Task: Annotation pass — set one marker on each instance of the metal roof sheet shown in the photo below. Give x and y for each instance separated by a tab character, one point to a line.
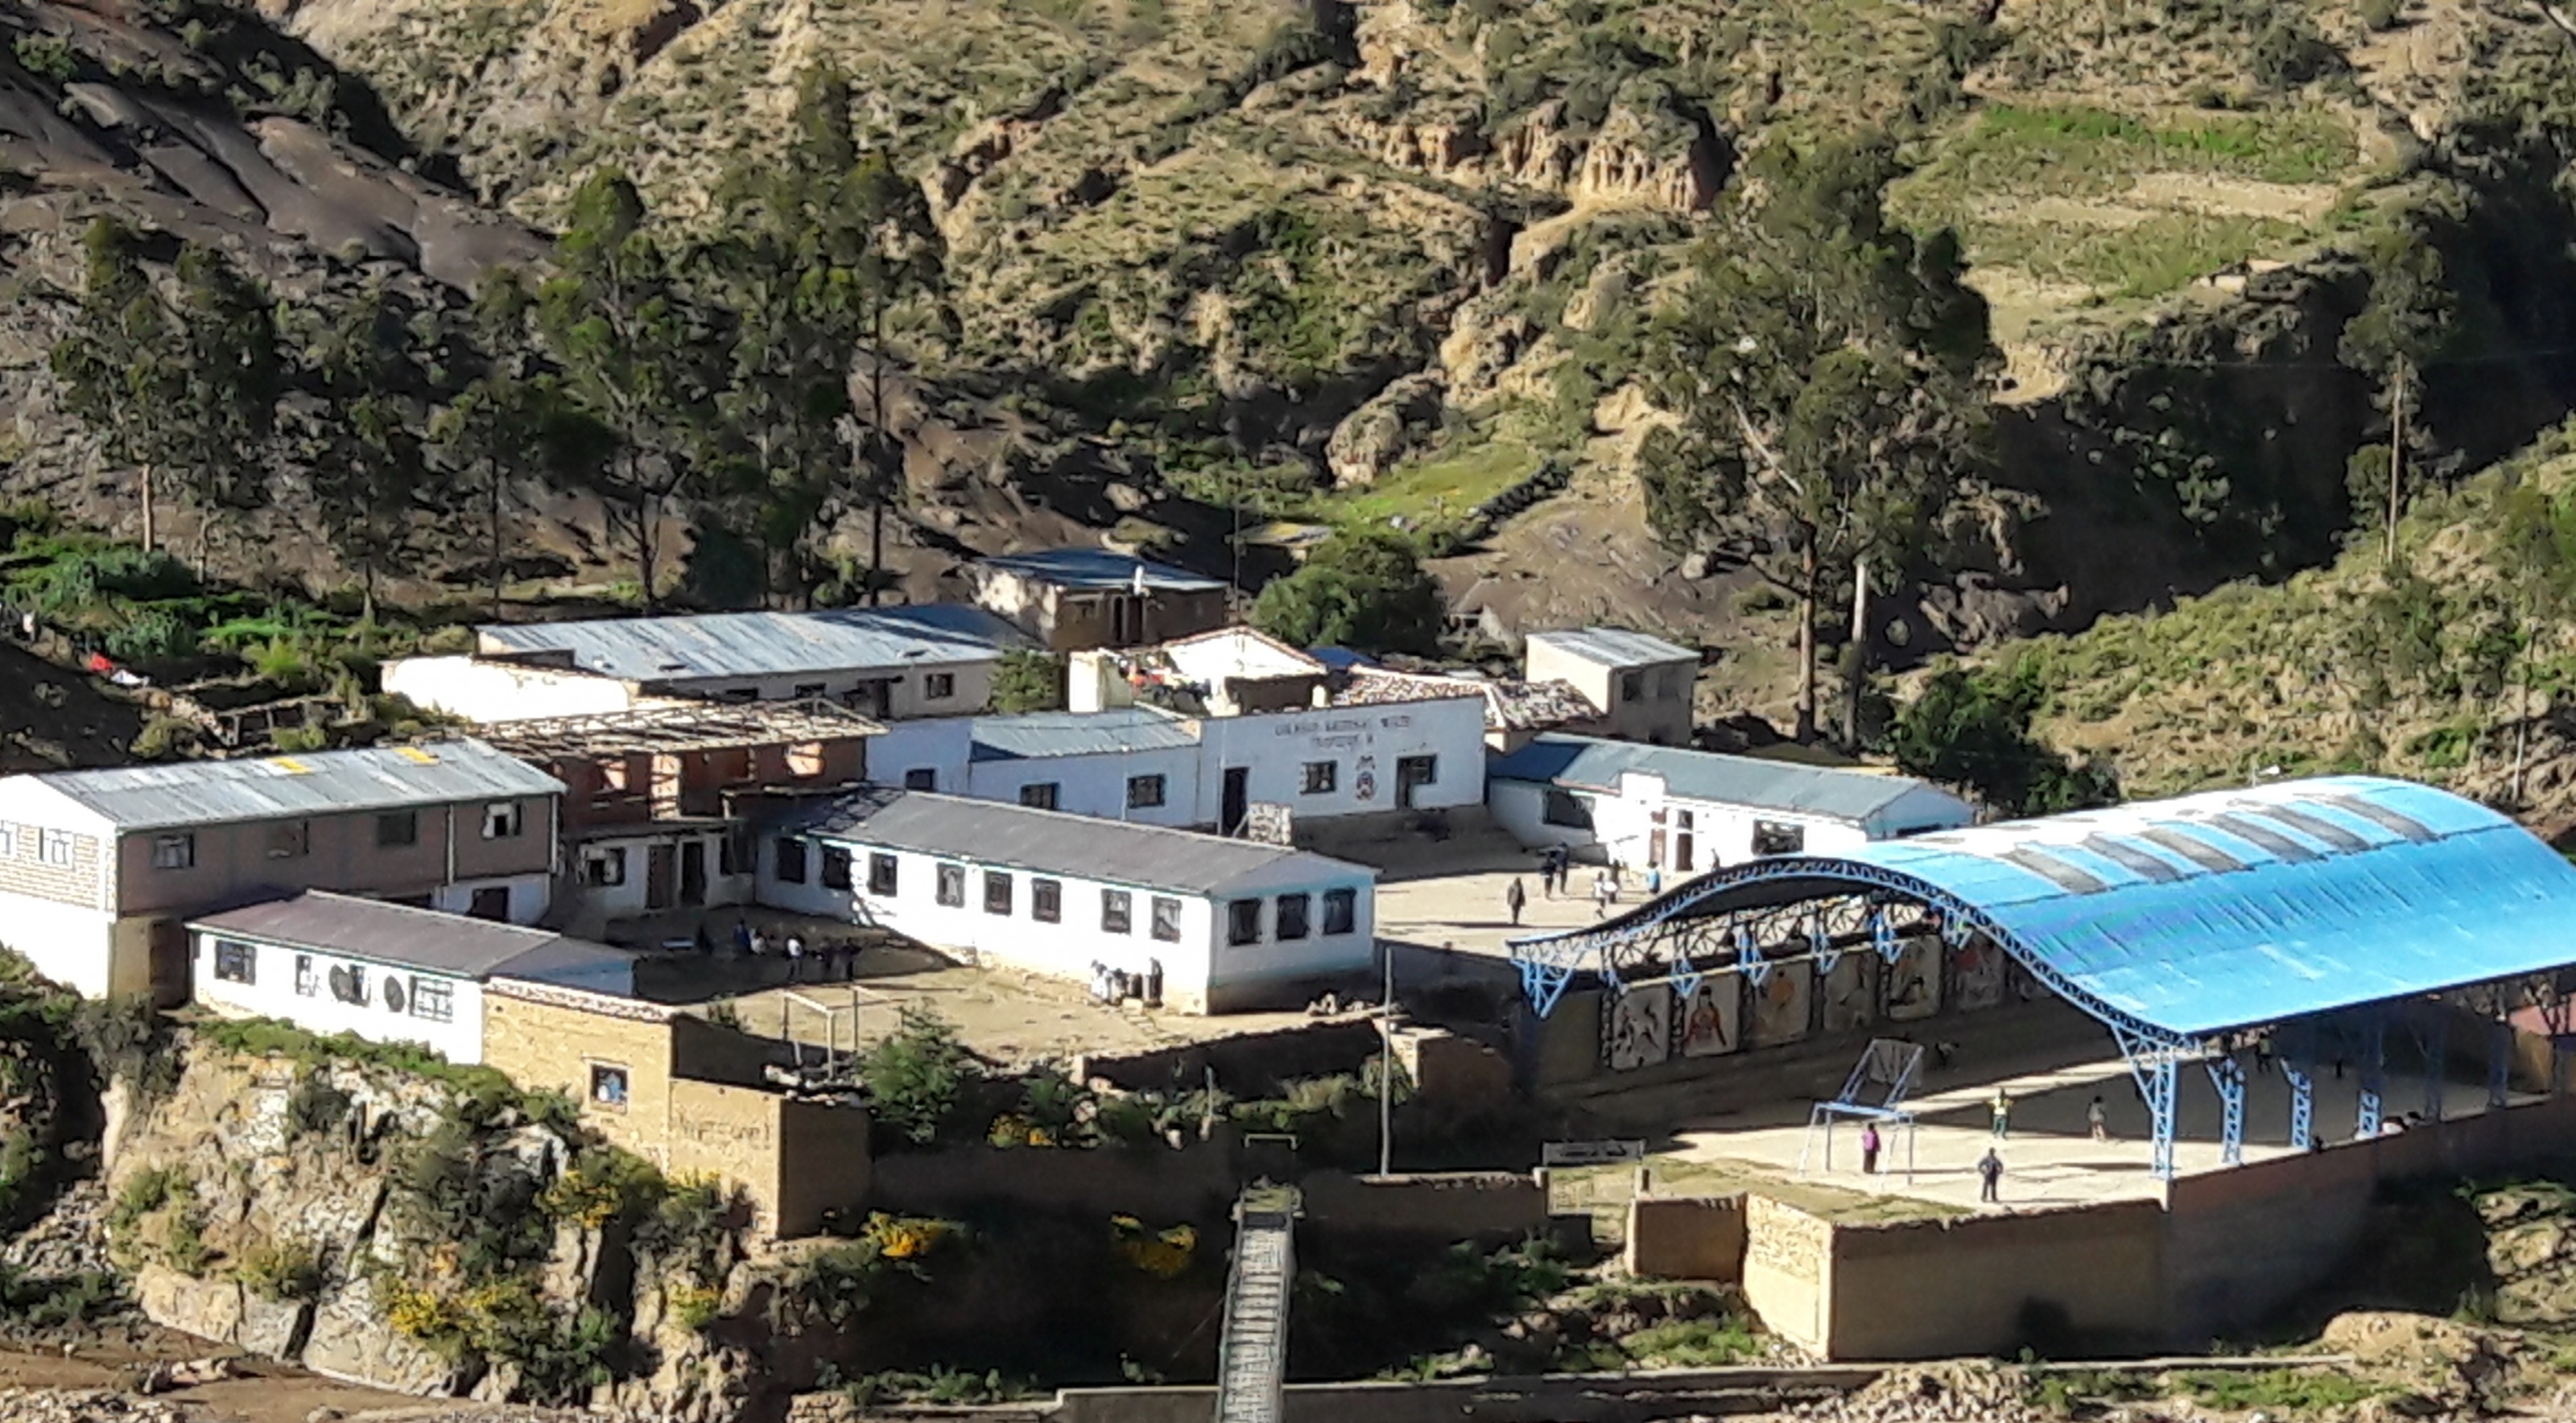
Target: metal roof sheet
1098	569
1613	647
1041	734
763	644
311	783
408	937
1591	763
1051	842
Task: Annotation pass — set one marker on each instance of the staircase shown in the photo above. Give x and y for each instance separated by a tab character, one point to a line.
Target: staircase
1252	1355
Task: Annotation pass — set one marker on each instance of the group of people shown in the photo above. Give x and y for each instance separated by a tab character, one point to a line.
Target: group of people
833	960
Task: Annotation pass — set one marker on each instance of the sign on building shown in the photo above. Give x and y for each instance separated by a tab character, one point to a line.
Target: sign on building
1591	1153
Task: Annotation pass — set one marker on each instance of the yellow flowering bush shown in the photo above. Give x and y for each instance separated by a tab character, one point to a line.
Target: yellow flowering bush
1163	1254
906	1237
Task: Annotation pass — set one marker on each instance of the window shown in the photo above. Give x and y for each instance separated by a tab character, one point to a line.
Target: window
1568	809
291	840
1039	796
612	775
1046	901
881	874
174	852
939	686
1167	919
836	867
307	982
1243	922
492	901
1341	911
1117	912
1320	777
997	892
503	820
739	694
604	867
790	860
1770	837
952	886
608	1085
401	827
921	778
58	847
1632	686
1144	792
805	691
1418	770
433	999
805	760
235	961
1294	915
349	984
733	852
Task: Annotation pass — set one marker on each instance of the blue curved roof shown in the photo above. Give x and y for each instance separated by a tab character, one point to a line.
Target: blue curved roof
2233	908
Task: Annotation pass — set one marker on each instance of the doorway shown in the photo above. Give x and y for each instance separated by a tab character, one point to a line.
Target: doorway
693	872
1411	774
657	877
166	949
1236	804
491	902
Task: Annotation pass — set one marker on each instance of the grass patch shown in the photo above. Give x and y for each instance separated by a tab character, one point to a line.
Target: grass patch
2161	254
1693	1344
1438	492
2075	150
2277	1390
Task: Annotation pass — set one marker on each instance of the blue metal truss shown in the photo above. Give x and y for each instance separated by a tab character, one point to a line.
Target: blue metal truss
2374	1082
2153	1064
2303	1101
2227	1074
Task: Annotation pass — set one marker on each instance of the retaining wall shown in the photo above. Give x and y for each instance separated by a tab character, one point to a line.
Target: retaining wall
1488	1207
1686	1238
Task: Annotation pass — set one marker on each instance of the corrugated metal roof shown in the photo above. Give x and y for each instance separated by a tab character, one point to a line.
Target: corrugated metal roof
1590	763
1041	734
312	783
1613	647
1097	569
1050	842
2343	891
406	937
763	644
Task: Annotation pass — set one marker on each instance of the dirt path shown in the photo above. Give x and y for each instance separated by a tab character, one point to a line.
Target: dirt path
38	1385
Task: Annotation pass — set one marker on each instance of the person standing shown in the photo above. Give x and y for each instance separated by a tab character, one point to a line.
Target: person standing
2095	1119
1515	899
2001	1108
1603	893
795	957
1869	1149
1990	1175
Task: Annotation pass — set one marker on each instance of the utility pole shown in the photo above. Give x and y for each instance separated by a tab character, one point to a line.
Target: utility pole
1386	1064
2396	458
1859	655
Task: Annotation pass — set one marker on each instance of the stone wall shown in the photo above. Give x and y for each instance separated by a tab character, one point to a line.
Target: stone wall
1686	1238
1251	1065
1196	1183
1983	1284
1788	1272
800	1162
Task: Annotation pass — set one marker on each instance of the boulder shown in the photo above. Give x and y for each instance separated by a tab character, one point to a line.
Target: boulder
1380	433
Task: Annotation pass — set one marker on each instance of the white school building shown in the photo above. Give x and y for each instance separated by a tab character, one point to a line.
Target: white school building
334	963
1219	923
1686	812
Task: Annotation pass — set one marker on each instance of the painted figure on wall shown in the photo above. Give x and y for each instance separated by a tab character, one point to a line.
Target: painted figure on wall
1976	974
1780	1004
1914	981
1638	1030
1851	993
1711	1017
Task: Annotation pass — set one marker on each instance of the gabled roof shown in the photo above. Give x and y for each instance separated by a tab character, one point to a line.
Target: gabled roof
693	648
1613	647
1037	735
313	783
1591	763
1098	569
1243	652
406	937
1054	843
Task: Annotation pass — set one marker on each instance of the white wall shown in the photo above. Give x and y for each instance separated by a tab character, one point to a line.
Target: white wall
501	691
940	744
1097	785
67	943
1922	809
1364	742
529	896
1623	826
271	994
1196	965
973	686
595	904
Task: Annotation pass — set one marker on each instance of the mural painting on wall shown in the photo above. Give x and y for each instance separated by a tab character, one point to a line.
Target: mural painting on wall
1712	1017
2026	987
1636	1027
1780	1004
1976	974
1851	993
1914	981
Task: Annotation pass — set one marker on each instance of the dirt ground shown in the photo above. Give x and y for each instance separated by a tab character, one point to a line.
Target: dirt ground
269	1393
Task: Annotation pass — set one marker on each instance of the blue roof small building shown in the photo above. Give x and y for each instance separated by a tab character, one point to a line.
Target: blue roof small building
1684	813
1073	599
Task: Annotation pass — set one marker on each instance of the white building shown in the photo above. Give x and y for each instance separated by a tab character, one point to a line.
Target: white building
1073	598
930	660
1218	923
99	869
1131	763
330	963
1642	685
1686	812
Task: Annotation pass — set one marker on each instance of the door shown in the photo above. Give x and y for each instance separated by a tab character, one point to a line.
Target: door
657	877
1237	802
1684	857
693	872
1412	773
167	949
1126	620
